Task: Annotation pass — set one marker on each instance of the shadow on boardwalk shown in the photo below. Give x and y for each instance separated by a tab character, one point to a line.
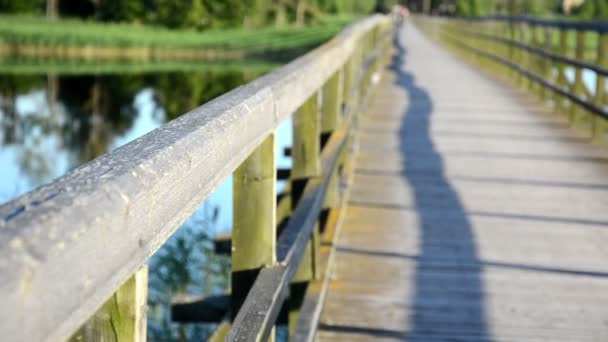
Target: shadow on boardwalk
448	300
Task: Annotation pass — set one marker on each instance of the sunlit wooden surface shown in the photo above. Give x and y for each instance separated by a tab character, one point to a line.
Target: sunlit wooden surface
475	215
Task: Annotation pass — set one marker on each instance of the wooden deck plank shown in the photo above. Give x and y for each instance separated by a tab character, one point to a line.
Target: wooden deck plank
475	215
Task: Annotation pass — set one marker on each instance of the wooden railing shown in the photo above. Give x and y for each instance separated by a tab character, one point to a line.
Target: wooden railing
550	58
71	252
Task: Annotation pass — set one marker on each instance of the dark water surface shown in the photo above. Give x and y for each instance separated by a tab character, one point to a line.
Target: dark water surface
52	122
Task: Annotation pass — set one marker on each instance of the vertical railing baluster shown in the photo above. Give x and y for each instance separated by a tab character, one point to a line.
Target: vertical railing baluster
348	83
535	60
330	119
522	60
511	50
254	220
578	87
546	63
562	81
305	165
599	123
122	317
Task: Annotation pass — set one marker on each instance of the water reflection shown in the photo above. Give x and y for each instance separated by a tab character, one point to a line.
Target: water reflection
50	124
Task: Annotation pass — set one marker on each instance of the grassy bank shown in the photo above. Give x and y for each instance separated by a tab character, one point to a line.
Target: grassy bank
27	35
34	66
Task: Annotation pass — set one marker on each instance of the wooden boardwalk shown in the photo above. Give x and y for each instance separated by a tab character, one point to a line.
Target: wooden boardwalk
474	215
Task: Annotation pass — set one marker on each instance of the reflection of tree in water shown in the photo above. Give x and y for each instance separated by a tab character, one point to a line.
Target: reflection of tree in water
99	109
31	129
186	264
80	113
181	92
93	111
10	87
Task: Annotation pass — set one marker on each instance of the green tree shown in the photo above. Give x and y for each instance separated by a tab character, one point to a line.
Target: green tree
475	7
122	10
385	5
22	6
601	10
180	14
592	10
259	14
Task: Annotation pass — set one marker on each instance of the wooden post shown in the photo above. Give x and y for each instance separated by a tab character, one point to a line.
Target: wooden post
578	89
599	99
562	81
505	49
522	60
332	103
535	60
306	142
122	318
330	118
306	164
546	64
348	84
512	54
254	231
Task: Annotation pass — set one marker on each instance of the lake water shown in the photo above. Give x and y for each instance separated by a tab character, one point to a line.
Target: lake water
51	123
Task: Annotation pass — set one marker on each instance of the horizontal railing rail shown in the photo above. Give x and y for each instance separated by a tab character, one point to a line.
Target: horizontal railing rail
67	247
269	293
564	62
554	57
595	26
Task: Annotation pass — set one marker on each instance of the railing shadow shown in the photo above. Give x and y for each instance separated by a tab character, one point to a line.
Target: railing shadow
448	301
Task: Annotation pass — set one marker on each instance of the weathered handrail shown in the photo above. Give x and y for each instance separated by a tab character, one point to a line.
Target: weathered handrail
525	48
596	26
267	294
67	246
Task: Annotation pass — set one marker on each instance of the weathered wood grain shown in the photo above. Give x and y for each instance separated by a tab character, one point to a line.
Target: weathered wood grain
66	247
473	215
598	126
122	317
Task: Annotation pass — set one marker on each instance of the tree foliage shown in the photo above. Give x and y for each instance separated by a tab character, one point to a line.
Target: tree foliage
200	14
22	6
592	10
511	7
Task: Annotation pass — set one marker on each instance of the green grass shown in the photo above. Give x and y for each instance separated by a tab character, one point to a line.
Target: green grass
77	67
30	30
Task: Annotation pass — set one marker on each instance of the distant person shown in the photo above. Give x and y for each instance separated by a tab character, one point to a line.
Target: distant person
400	13
404	12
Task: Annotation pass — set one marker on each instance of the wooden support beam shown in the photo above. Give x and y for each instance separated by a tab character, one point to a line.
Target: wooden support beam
330	117
306	163
599	123
332	103
306	141
578	88
546	64
122	318
535	60
521	54
562	81
283	174
222	244
254	232
221	332
512	36
347	78
200	309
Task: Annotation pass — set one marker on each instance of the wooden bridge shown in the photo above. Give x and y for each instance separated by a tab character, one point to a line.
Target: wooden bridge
445	187
475	214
